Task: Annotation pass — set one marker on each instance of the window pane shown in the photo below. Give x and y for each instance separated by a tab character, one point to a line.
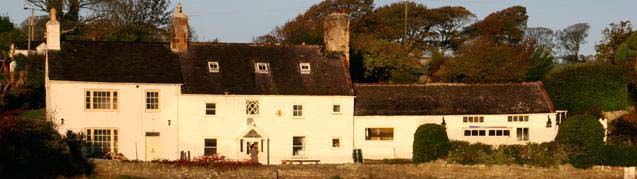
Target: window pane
467	133
380	133
482	133
506	133
474	133
336	108
491	132
336	143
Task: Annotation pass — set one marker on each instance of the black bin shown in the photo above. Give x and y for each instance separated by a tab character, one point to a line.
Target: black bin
357	155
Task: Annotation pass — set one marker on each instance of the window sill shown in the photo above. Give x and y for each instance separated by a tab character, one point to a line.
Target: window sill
299	157
297	117
337	113
152	110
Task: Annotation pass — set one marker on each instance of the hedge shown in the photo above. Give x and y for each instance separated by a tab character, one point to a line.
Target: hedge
583	136
543	155
430	143
588	87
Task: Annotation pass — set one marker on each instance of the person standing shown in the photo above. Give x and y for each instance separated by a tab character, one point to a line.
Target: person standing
254	153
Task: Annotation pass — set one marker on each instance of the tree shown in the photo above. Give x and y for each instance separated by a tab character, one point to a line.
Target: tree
308	27
622	131
540	64
569	41
447	26
430	143
613	36
130	20
583	136
588	88
543	37
483	60
388	61
505	26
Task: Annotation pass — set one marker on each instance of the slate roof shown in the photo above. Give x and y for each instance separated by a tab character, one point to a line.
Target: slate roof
115	62
451	99
237	70
155	63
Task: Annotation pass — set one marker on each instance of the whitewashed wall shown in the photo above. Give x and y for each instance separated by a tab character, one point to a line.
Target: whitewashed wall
405	127
65	100
318	124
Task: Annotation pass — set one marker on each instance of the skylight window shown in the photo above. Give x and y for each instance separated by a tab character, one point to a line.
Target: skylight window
213	67
261	67
305	68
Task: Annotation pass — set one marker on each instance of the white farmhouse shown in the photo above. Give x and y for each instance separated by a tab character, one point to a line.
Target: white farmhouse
175	100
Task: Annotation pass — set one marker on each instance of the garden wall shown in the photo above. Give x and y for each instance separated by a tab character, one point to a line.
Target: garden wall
114	169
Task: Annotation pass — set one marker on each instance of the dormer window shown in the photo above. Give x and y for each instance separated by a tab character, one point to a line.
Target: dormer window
261	67
305	68
213	67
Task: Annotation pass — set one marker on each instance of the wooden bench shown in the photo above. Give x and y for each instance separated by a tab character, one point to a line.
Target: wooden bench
299	161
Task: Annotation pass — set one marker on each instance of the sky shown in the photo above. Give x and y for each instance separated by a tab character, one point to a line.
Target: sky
242	20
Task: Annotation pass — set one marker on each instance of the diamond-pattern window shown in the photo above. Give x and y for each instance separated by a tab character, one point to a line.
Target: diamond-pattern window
252	107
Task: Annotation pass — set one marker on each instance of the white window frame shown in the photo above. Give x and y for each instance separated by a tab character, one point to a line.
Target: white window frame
90	100
303	70
257	67
297	112
252	107
211	147
213	67
518	118
302	152
213	109
368	137
113	138
147	98
520	134
473	119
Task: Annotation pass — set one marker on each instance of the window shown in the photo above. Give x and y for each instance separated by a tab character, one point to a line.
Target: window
499	132
298	146
475	132
100	100
261	67
297	110
252	108
336	108
102	140
305	68
523	134
379	133
336	142
210	146
211	109
152	100
518	118
213	67
472	119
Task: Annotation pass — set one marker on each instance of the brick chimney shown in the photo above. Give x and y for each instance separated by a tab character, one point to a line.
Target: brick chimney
336	33
179	40
53	32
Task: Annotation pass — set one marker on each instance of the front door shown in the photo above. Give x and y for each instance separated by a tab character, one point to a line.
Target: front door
152	146
260	146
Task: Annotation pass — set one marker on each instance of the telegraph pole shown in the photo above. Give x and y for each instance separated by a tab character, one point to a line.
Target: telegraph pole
406	9
31	29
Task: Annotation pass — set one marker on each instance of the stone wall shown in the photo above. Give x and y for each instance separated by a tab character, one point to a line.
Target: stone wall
114	169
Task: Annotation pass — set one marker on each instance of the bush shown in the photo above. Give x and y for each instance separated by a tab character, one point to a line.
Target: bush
583	137
32	148
216	162
469	154
543	155
589	87
430	143
619	155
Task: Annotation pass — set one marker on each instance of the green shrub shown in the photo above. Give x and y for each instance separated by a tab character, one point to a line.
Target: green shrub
33	148
464	153
588	87
619	155
545	154
583	137
430	143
